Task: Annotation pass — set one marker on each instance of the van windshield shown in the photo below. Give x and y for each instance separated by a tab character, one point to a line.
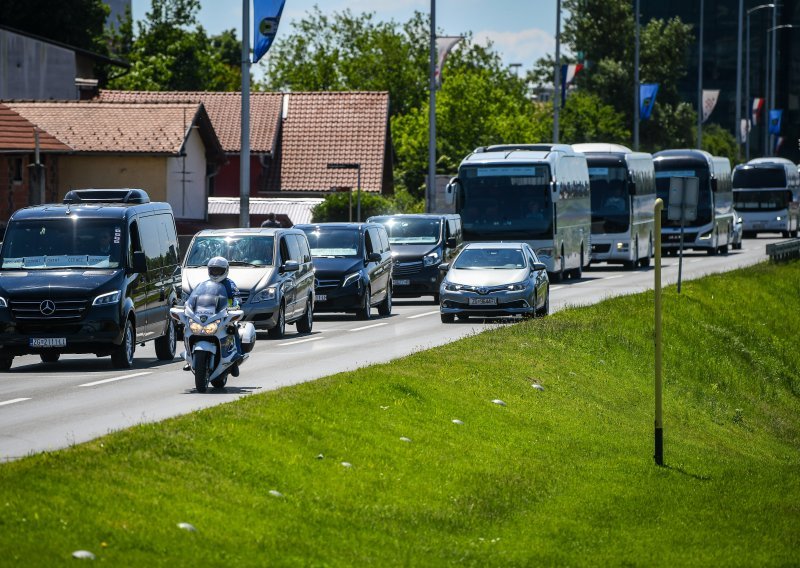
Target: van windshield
247	250
412	231
327	242
33	244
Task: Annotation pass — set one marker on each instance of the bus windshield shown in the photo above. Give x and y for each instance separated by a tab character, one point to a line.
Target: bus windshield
63	243
705	207
506	202
611	211
756	178
764	200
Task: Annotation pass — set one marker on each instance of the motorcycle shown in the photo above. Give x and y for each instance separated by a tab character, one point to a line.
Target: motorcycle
209	335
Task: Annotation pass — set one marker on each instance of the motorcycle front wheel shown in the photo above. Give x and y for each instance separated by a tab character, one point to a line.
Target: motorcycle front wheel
202	370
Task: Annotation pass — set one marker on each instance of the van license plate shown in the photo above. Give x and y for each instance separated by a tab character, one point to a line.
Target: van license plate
321	297
47	342
483	301
403	282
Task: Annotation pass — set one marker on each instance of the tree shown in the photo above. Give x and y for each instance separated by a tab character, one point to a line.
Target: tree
172	52
336	207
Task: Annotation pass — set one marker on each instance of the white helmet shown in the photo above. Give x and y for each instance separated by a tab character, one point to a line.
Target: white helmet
217	269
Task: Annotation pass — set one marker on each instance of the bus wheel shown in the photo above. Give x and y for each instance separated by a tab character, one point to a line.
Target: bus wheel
645	262
559	276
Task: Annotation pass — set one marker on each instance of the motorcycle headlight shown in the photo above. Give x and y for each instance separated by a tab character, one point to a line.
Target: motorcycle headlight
432	259
195	327
350	278
265	295
516	287
106	299
211	328
450	287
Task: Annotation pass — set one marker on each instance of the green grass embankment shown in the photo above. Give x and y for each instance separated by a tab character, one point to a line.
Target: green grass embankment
562	476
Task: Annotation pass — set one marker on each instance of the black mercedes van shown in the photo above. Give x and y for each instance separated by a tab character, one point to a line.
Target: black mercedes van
94	274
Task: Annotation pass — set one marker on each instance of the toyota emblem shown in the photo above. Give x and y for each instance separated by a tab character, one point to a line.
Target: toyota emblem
48	307
483	290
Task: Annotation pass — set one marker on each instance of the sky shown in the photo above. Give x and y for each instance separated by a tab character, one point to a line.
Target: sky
522	30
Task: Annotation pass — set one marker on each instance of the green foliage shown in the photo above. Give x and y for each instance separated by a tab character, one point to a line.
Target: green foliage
719	142
585	118
172	52
337	207
559	477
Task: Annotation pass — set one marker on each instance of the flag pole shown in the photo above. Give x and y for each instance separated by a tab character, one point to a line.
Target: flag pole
700	81
636	81
557	77
431	186
244	158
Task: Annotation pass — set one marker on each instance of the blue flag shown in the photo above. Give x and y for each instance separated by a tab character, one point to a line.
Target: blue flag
775	121
266	17
647	99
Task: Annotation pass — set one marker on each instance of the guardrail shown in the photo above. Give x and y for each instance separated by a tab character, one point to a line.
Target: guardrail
784	250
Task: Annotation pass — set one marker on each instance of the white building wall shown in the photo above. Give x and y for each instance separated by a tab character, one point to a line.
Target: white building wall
32	69
186	180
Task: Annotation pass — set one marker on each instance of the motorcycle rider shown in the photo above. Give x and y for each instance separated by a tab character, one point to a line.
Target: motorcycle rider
219	284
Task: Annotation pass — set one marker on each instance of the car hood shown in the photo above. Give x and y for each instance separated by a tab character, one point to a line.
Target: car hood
328	268
55	283
486	277
403	253
245	277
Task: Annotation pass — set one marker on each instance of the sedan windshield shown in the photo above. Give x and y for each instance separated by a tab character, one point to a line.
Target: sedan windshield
325	242
246	250
63	243
492	258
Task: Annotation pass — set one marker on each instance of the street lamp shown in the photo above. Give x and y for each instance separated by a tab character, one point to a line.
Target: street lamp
351	166
700	80
747	76
768	150
515	67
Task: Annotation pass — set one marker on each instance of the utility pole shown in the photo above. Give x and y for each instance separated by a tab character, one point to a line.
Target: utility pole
700	81
636	81
557	78
244	156
431	187
738	126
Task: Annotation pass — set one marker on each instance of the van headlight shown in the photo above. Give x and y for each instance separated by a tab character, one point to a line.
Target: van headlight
208	329
350	278
3	303
431	259
265	295
106	299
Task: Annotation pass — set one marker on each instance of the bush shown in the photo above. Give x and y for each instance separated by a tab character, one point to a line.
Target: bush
336	207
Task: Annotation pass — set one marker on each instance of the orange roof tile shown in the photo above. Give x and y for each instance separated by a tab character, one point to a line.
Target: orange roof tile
224	110
327	127
112	127
16	134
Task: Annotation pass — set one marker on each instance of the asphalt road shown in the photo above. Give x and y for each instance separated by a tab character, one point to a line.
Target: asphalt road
46	407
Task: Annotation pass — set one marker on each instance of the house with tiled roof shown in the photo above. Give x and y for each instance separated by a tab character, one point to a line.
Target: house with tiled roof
170	150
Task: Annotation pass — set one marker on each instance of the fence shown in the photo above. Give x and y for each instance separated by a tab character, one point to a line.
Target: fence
784	250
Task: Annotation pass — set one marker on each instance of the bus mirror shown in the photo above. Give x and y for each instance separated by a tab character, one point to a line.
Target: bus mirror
554	186
714	185
450	191
632	188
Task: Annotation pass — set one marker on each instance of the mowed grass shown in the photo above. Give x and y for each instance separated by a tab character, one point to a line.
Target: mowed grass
560	476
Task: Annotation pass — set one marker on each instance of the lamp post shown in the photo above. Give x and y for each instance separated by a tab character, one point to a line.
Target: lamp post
430	189
738	123
747	76
774	68
351	166
557	77
636	83
700	81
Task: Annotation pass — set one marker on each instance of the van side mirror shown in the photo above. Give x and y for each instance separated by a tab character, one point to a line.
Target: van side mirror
289	266
451	190
451	242
374	257
139	262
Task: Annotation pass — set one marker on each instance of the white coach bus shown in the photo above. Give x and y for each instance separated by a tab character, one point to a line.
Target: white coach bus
766	193
712	231
623	185
533	193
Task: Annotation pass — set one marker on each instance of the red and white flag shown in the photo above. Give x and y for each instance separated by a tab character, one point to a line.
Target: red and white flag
443	47
572	70
758	106
710	99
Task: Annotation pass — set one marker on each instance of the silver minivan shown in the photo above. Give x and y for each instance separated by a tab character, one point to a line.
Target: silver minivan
272	268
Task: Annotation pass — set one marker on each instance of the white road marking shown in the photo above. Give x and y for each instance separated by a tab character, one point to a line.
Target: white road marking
612	277
111	380
555	288
422	315
300	341
369	326
697	260
13	400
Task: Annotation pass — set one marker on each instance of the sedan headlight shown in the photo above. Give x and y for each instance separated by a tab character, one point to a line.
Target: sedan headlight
208	329
450	287
106	299
265	295
432	259
350	278
516	287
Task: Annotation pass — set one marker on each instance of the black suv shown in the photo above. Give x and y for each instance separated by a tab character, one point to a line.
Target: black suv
353	265
96	274
420	243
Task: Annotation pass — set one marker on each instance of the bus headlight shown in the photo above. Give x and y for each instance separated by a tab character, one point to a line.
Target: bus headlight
622	247
706	236
777	218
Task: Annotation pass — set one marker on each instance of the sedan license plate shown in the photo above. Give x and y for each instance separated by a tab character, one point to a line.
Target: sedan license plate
483	301
321	297
401	282
47	342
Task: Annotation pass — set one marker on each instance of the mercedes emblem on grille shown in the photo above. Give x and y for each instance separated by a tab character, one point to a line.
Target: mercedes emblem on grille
48	307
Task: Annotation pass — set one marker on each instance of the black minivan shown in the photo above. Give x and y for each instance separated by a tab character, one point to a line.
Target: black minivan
353	267
420	243
94	274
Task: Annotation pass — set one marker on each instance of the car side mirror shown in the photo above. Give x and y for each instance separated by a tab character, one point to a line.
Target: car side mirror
139	262
374	257
450	243
290	266
538	266
444	267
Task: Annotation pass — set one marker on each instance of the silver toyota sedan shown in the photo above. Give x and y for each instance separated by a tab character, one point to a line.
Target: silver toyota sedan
494	279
